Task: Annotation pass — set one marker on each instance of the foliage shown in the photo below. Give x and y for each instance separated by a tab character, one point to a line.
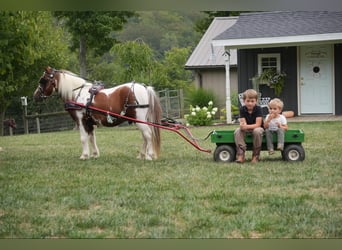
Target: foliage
27	44
170	72
47	192
162	30
136	59
107	72
203	24
201	116
234	112
234	100
273	79
200	97
94	26
92	29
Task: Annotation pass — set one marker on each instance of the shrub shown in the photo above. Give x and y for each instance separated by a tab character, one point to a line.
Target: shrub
234	99
234	112
201	116
201	97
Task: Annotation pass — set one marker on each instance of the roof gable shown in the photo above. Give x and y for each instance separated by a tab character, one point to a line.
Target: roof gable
205	55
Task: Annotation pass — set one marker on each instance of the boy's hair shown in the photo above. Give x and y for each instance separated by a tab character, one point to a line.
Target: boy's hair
250	94
276	102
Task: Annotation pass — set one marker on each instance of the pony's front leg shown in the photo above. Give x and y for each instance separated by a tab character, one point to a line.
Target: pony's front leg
147	149
142	152
84	141
96	152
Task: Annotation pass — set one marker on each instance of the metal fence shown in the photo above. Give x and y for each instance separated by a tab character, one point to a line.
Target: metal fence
172	103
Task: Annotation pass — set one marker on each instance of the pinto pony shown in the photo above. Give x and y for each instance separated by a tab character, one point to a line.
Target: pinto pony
132	100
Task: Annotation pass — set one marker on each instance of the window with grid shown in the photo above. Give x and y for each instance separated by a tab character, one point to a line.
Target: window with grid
268	61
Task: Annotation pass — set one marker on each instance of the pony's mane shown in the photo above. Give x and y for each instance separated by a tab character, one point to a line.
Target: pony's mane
68	82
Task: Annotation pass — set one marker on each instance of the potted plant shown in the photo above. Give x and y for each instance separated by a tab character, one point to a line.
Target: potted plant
271	78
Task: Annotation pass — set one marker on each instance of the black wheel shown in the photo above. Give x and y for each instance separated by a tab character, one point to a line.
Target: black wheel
293	152
224	153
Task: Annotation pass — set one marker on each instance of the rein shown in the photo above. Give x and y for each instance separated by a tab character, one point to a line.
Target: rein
79	92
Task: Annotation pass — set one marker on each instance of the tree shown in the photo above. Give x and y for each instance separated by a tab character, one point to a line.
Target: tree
163	30
92	29
203	24
137	62
170	73
136	59
28	42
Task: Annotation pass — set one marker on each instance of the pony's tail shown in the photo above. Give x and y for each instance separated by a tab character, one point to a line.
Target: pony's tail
154	115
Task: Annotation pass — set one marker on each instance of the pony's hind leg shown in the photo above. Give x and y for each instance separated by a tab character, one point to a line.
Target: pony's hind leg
92	138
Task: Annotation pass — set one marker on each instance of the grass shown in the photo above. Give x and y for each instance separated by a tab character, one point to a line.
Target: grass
47	192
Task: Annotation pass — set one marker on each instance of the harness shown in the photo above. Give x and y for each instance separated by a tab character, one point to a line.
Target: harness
94	90
133	105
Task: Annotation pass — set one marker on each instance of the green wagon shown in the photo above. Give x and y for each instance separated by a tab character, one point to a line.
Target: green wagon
226	150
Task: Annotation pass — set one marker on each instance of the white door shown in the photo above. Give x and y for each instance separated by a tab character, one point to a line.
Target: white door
316	79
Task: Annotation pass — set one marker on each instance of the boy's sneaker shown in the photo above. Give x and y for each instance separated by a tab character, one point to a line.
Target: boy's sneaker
271	152
280	147
255	159
240	159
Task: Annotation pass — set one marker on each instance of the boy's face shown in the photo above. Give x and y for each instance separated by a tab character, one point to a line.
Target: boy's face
274	110
250	103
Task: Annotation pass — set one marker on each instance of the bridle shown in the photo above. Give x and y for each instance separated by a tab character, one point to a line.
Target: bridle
47	78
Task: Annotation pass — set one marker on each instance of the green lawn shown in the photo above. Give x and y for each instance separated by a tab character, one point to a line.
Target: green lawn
47	192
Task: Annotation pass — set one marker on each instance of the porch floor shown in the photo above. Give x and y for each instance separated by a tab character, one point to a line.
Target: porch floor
311	118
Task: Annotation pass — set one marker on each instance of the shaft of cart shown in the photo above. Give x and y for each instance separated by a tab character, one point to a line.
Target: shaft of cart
174	127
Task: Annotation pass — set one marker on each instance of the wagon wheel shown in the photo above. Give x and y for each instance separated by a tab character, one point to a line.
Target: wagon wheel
224	153
293	152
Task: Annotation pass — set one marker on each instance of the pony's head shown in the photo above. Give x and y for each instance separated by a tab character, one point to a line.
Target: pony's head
47	84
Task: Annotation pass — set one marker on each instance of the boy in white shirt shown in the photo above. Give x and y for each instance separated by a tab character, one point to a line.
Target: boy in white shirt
275	122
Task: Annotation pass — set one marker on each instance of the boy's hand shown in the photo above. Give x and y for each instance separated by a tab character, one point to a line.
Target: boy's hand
243	125
271	116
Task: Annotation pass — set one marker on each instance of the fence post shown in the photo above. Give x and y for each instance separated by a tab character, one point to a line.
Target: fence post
167	95
24	104
38	123
181	103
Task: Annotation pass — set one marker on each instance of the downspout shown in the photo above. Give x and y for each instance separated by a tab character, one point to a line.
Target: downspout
200	79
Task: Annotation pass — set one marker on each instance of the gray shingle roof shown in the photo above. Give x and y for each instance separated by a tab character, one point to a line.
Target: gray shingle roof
283	23
204	55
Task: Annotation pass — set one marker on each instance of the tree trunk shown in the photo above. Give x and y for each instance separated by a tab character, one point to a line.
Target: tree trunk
2	118
83	59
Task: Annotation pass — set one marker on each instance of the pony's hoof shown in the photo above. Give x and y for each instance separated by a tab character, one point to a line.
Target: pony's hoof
95	155
148	157
84	157
140	156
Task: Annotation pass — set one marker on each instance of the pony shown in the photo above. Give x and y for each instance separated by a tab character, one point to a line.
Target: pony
133	100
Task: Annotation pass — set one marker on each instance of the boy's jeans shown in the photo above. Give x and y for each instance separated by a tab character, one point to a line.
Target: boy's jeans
269	137
239	137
